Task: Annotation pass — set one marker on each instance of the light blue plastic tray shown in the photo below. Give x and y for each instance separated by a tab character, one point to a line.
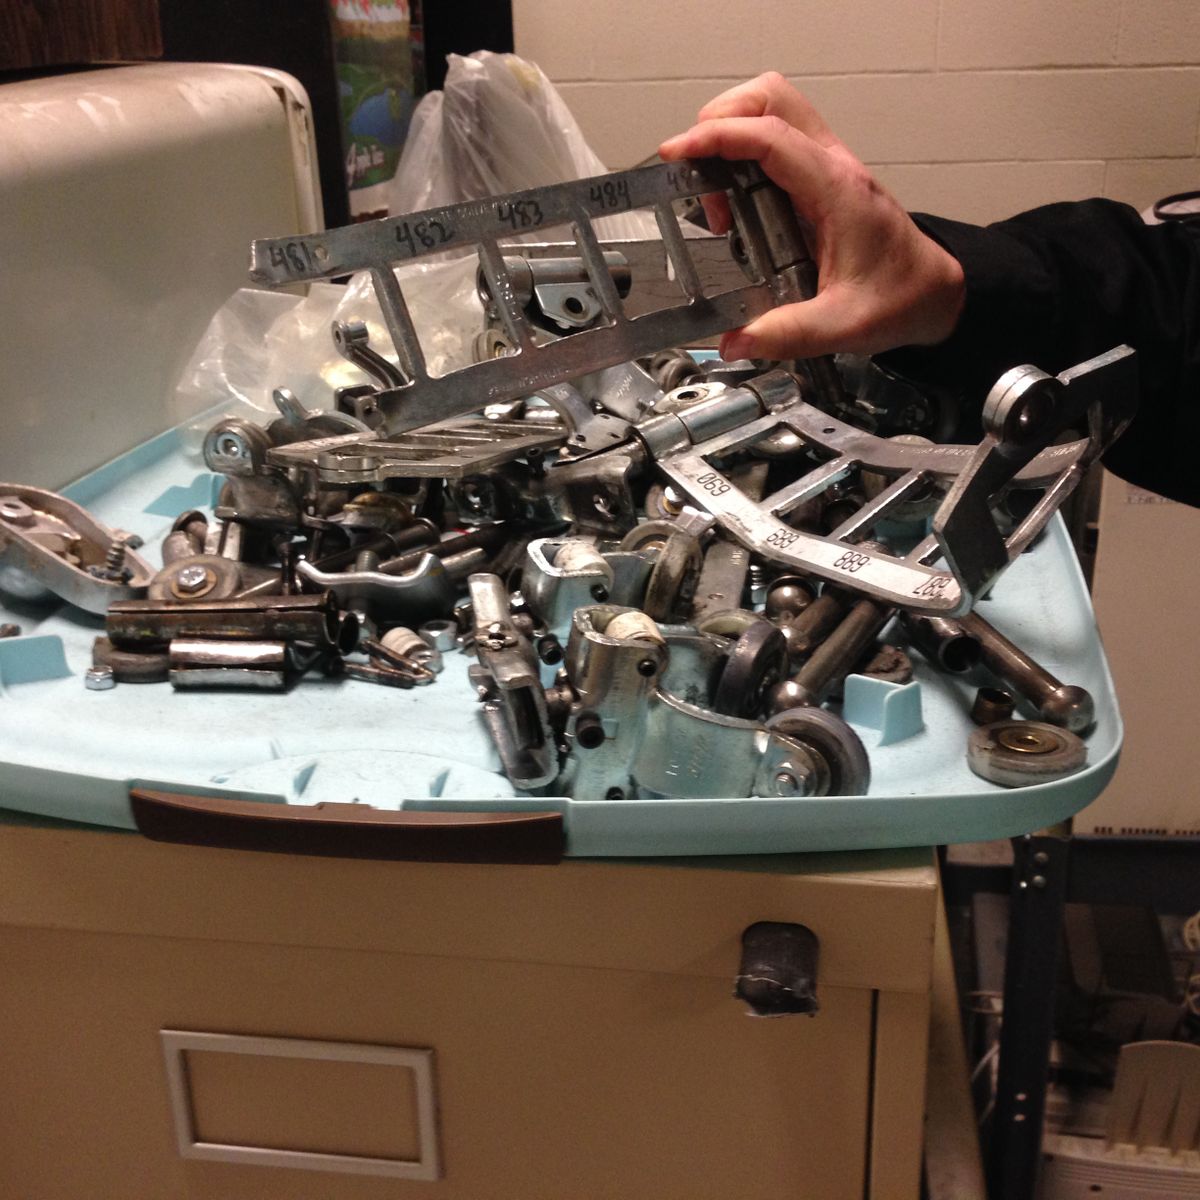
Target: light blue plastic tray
74	754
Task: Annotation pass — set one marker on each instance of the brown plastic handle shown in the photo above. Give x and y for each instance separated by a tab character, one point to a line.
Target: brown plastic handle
349	830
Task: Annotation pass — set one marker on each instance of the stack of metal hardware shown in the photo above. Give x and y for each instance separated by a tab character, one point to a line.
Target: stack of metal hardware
661	568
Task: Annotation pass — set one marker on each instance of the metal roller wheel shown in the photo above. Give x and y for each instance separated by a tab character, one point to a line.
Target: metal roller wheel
131	666
830	740
1020	753
679	561
756	662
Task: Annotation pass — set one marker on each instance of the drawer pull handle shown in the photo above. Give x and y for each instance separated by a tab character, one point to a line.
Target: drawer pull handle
349	830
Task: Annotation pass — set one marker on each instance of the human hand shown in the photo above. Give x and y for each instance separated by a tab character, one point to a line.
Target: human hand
881	283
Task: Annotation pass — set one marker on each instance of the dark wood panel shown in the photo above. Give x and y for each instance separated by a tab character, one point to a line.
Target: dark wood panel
50	33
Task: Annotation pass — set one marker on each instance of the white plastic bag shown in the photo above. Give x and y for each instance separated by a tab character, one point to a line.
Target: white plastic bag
498	126
258	341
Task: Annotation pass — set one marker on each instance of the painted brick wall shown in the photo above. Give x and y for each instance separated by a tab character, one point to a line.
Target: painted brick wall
970	108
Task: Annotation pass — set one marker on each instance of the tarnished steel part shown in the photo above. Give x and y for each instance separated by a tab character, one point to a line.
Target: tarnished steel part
492	539
835	657
217	663
1023	414
385	675
991	705
641	721
832	744
889	663
295	422
558	290
613	678
353	343
381	511
723	576
756	662
965	531
814	624
197	577
49	546
238	449
555	592
188	532
722	579
265	618
131	666
674	367
689	751
450	451
788	596
944	642
679	559
508	681
615	338
1056	703
426	589
626	390
596	492
441	635
1022	753
694	413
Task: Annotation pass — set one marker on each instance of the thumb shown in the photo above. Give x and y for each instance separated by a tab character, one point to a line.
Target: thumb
822	325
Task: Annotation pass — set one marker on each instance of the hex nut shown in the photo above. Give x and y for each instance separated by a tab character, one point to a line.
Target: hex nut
99	679
441	635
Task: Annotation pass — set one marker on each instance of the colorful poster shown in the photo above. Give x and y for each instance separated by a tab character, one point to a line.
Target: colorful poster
374	48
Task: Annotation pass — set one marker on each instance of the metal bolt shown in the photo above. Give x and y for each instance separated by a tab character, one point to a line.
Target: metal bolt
1057	703
835	657
549	649
1041	858
1038	881
589	731
114	569
114	560
786	784
99	679
191	579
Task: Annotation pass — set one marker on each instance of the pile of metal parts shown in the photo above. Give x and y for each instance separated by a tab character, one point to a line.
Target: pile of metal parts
663	568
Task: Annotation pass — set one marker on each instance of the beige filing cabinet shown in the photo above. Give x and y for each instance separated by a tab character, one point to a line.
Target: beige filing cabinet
472	1031
1143	589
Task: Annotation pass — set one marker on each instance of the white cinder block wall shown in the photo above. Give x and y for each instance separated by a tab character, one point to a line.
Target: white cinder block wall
973	109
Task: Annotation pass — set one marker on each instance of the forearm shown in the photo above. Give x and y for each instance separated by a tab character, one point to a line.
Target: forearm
1063	283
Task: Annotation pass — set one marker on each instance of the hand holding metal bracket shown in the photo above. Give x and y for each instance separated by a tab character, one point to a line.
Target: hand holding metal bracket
773	246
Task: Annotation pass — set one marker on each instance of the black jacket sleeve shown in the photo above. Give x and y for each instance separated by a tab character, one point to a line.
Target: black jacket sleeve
1061	284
